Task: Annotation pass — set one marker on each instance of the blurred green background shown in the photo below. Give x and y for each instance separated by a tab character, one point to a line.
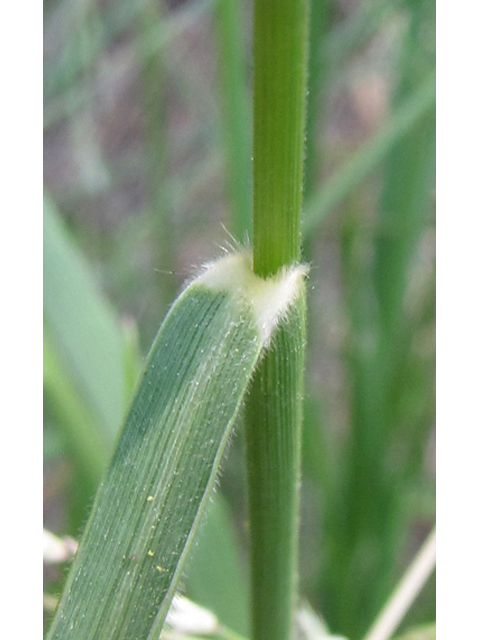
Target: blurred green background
147	169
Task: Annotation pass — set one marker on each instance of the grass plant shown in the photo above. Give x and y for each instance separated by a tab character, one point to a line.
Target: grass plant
148	157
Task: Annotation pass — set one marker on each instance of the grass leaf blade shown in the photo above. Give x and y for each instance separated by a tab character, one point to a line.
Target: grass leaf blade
148	507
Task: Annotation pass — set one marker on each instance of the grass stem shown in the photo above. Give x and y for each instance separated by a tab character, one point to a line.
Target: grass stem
280	58
274	407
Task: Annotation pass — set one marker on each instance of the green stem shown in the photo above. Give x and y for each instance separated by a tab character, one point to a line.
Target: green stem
280	56
274	407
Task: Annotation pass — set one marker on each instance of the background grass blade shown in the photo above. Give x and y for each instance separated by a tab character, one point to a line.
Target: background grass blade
369	155
237	120
423	632
154	76
84	440
319	22
368	521
407	590
89	365
149	506
357	28
82	327
217	575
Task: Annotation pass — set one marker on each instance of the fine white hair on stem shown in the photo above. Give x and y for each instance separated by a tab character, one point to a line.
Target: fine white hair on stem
270	298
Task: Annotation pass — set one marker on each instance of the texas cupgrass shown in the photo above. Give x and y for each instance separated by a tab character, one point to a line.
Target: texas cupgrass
86	388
